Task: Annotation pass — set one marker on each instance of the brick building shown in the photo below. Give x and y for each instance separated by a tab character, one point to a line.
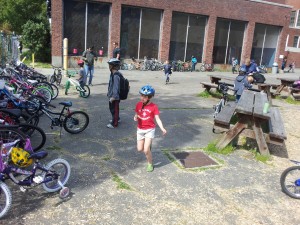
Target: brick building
214	31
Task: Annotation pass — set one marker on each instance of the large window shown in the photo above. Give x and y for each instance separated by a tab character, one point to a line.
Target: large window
296	42
292	20
264	44
228	40
187	36
86	24
140	32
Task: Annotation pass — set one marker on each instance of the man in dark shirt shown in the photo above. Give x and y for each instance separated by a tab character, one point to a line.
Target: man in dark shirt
88	57
116	51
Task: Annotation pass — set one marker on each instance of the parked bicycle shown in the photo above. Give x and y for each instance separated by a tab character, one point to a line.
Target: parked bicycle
84	91
13	158
262	68
290	180
206	67
223	88
56	76
73	122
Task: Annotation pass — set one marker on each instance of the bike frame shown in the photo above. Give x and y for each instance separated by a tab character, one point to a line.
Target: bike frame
47	112
75	83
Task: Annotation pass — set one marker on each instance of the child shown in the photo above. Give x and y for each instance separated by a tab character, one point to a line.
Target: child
145	112
82	75
194	62
234	64
168	71
292	67
242	81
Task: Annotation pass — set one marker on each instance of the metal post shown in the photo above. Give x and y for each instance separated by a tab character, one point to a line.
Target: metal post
65	53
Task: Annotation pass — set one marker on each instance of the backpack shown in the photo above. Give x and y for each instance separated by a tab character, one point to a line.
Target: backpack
124	86
258	78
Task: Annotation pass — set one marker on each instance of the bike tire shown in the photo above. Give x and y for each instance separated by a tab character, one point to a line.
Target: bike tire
11	133
36	134
33	105
284	178
86	93
44	92
202	68
55	91
52	78
5	195
64	174
76	122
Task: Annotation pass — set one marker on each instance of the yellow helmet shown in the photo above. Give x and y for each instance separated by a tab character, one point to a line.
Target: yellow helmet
20	157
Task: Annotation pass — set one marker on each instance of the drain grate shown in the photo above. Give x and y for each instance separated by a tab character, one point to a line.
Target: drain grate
194	159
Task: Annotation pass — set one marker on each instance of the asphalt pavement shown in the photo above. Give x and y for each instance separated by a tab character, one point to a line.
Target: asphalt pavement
240	190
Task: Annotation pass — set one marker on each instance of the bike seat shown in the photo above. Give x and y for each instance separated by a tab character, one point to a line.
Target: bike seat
68	103
32	81
38	155
16	112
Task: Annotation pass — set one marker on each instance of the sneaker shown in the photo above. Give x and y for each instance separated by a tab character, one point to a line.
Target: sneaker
150	167
110	126
119	121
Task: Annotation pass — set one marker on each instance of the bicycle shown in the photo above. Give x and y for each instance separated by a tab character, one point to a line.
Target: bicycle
56	76
73	122
290	180
52	177
223	88
84	90
206	67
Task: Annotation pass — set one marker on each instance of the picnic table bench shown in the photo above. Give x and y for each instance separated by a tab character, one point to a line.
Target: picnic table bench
252	122
293	91
215	79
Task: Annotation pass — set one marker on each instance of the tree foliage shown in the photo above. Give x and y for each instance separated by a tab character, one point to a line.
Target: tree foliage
28	19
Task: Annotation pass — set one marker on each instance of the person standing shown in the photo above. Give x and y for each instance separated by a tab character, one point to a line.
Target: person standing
88	57
242	82
113	92
145	113
194	62
283	65
116	51
234	63
168	71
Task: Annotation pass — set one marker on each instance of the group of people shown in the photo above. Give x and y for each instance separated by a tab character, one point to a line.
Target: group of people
146	112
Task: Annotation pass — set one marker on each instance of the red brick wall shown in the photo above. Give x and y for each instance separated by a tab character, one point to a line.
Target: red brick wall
254	12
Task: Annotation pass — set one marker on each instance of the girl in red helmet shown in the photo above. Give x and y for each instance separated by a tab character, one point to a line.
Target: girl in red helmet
82	75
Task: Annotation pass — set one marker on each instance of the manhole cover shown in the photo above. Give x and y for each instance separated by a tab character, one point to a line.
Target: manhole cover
194	159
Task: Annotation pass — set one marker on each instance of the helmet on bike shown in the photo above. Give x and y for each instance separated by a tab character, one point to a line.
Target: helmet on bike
80	62
20	157
147	90
114	62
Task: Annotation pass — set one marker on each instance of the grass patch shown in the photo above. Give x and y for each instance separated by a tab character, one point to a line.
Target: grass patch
28	62
259	157
212	147
106	158
290	100
54	147
207	94
120	183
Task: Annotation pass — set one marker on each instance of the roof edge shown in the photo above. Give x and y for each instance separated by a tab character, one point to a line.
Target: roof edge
271	3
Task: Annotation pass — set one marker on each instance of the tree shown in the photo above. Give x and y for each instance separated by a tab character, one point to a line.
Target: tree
29	19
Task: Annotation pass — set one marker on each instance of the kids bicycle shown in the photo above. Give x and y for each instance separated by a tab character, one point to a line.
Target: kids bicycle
84	90
290	180
13	158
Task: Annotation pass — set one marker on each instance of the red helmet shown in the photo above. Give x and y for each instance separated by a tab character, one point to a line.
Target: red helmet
80	62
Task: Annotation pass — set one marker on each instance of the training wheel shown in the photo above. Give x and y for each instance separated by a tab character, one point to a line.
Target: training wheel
64	192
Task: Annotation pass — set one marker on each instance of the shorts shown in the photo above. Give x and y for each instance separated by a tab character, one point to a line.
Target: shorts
142	134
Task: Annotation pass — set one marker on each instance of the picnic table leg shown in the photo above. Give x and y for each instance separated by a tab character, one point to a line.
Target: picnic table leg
233	132
260	138
279	89
269	95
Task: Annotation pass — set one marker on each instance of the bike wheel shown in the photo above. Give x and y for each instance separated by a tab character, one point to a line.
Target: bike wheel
33	105
52	78
56	167
202	68
10	134
55	91
86	93
76	122
290	181
37	135
5	199
43	92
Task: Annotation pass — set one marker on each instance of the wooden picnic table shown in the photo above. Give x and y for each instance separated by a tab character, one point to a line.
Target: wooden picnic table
215	79
266	87
251	119
285	82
